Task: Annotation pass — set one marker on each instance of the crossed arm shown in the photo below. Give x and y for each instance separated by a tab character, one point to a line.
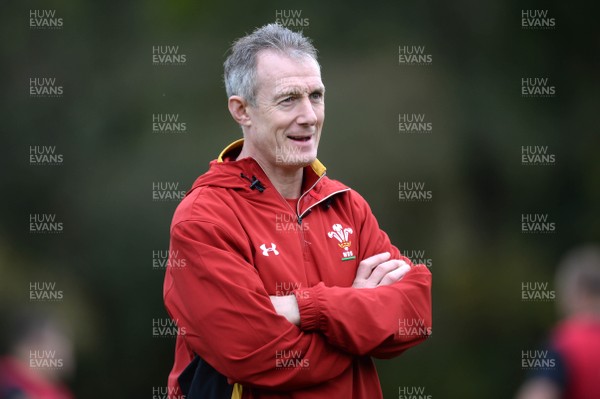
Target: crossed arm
376	271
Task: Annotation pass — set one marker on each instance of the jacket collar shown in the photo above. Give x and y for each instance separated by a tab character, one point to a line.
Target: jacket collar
316	186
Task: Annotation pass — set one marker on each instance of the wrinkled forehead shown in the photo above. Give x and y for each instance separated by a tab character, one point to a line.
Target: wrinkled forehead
295	85
279	73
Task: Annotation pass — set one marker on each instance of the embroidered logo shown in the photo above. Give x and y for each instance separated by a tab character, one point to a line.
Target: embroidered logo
265	250
343	236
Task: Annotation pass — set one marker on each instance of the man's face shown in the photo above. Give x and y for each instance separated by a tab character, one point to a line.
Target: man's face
287	119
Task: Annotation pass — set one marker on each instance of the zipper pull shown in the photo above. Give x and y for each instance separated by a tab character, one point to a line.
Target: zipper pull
300	220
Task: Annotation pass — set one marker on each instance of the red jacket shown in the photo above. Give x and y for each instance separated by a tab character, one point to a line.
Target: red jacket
19	380
241	244
577	342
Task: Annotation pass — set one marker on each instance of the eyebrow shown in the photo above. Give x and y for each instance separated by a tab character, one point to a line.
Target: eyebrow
296	90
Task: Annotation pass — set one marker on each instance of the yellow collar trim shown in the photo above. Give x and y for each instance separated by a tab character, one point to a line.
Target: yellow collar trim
316	166
235	144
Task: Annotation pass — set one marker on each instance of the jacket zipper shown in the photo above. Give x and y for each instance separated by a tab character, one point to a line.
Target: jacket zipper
317	203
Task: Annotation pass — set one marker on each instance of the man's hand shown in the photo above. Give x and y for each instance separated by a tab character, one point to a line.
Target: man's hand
378	270
287	306
372	272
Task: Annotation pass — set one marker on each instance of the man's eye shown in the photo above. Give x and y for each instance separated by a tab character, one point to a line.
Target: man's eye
316	96
287	100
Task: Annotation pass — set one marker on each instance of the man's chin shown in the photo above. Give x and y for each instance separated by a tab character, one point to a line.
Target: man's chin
298	161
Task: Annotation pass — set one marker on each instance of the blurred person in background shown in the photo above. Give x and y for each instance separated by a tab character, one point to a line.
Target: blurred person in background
574	343
37	354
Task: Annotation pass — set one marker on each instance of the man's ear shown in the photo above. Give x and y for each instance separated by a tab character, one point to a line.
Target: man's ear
238	108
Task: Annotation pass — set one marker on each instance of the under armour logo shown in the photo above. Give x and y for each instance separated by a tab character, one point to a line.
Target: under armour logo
266	250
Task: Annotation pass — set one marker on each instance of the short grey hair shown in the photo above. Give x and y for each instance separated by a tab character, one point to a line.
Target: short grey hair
240	66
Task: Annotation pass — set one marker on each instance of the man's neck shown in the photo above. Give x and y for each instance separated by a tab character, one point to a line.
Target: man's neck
287	181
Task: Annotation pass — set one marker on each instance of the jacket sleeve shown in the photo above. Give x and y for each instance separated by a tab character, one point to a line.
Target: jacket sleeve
381	322
229	319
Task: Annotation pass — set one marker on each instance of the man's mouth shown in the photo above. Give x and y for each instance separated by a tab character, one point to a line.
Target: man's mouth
299	137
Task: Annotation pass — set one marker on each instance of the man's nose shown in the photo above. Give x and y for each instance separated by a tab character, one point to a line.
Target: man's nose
306	112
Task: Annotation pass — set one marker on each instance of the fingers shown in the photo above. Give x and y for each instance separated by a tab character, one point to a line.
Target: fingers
395	275
384	269
379	270
363	272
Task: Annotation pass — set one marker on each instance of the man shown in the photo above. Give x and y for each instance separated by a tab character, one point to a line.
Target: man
574	345
290	286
